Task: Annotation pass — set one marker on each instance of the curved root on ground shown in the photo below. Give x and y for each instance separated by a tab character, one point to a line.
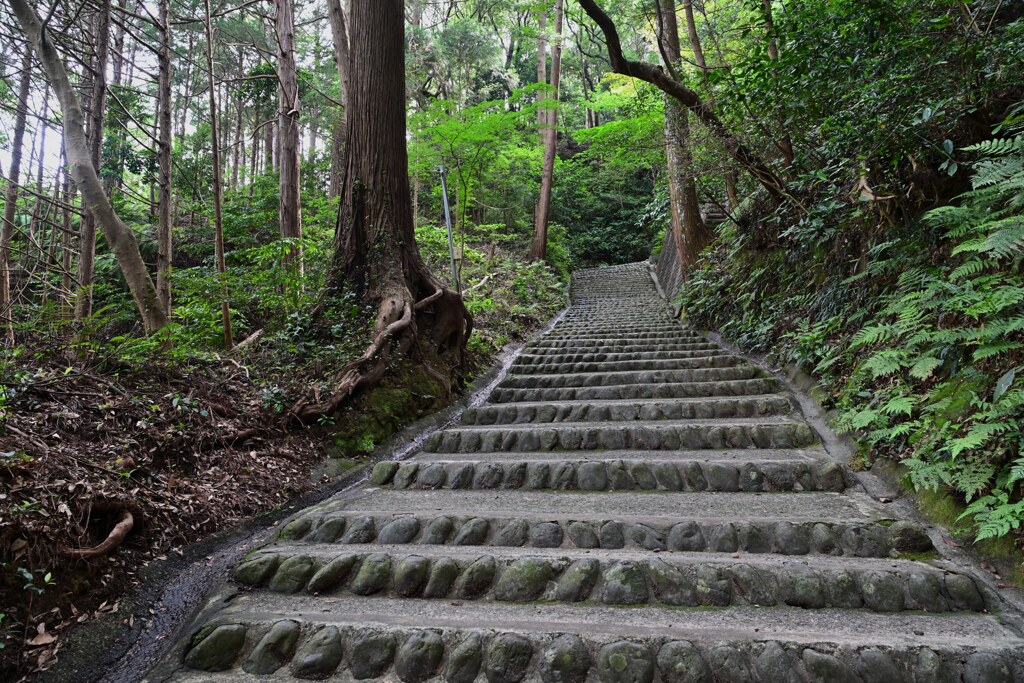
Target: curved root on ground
112	541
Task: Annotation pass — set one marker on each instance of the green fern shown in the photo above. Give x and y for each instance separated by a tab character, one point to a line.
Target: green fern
998	146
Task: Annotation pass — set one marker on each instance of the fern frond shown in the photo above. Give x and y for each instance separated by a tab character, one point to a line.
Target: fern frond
968	269
995	349
924	367
869	336
1007	240
998	146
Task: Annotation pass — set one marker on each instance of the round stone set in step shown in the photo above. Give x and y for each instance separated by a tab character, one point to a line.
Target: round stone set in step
650	435
633	504
416	656
783	538
615	475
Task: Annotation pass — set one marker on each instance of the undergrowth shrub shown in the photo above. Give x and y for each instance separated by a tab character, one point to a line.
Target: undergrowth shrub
922	346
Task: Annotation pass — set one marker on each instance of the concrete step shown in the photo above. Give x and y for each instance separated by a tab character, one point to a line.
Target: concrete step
552	346
667	390
627	410
550	367
613	577
567	473
780	535
557	357
604	379
415	640
761	432
726	455
676	335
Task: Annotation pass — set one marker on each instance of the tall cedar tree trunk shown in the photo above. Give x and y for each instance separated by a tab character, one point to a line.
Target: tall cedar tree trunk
218	186
80	160
87	230
539	249
375	246
11	202
650	73
164	242
691	235
339	35
289	208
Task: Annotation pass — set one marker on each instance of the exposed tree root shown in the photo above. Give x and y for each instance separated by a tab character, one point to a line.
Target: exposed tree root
116	536
439	318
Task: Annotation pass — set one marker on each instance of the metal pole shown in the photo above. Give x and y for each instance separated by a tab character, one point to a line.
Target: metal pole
451	242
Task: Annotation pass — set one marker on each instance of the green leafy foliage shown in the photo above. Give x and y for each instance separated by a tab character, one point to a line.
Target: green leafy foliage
922	346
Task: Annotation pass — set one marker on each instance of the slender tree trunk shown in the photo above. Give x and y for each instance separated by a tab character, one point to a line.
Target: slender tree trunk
236	153
81	161
268	146
87	236
11	201
542	67
218	219
785	142
375	251
339	35
113	181
67	285
691	30
289	151
691	235
539	250
38	210
164	241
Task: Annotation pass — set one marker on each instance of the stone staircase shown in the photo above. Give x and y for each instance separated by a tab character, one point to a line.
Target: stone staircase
633	504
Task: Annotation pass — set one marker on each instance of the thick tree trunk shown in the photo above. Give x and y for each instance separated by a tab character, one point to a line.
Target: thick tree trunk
80	159
688	97
164	241
375	252
691	235
539	249
339	35
11	201
218	185
87	231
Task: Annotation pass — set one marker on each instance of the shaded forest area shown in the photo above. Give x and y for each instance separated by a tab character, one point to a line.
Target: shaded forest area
224	250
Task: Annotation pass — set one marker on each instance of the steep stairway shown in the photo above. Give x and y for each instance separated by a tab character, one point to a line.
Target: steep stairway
633	504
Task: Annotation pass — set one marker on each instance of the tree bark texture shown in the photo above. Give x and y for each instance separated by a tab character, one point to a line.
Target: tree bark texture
11	201
339	35
375	251
289	208
164	241
691	235
80	160
87	229
539	249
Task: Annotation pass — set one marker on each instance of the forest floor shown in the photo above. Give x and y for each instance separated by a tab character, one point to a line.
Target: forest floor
188	449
